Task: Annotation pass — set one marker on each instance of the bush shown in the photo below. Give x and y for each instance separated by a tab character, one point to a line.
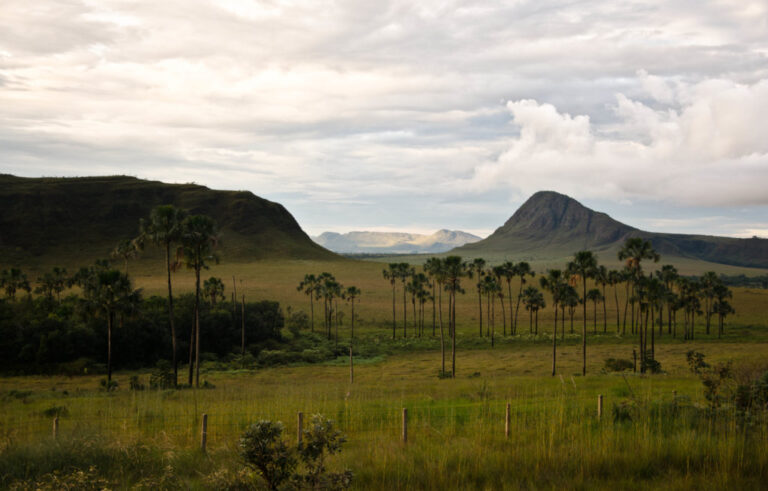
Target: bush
618	365
162	376
263	449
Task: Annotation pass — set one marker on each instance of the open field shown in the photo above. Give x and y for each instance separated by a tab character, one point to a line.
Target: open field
456	427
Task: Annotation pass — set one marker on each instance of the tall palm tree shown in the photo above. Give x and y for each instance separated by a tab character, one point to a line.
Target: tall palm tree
454	270
614	279
164	229
351	294
602	279
490	288
633	251
522	269
404	271
391	275
477	268
721	306
709	281
533	301
309	286
509	271
108	291
571	300
583	266
432	268
499	272
198	238
555	283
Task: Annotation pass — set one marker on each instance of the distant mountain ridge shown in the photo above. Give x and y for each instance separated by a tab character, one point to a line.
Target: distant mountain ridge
46	219
551	224
394	242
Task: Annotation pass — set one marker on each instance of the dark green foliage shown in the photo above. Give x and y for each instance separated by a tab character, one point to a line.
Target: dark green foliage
618	365
162	376
696	361
262	447
39	336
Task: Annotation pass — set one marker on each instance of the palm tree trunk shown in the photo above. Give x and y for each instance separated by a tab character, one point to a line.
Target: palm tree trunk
480	309
394	313
434	308
618	309
242	327
584	333
442	335
197	325
517	305
109	348
405	310
453	322
511	310
352	328
605	312
554	343
503	314
170	315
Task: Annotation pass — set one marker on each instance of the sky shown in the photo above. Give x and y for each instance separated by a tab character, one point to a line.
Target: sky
402	115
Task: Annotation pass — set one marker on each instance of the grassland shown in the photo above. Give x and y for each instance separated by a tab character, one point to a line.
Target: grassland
647	438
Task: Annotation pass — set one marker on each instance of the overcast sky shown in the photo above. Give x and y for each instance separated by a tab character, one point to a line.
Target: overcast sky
403	115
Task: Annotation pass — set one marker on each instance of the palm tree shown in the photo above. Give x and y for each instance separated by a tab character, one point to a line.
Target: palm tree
52	283
198	239
391	275
596	297
13	280
490	288
522	269
309	286
583	265
416	288
614	279
125	249
476	268
454	269
555	283
164	230
533	300
213	290
602	279
721	306
634	250
498	273
709	281
108	291
571	300
668	275
432	268
351	294
404	271
508	271
439	271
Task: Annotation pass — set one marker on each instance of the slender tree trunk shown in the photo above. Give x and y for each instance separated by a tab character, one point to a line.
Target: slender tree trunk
503	314
434	307
442	335
562	321
626	306
352	328
170	315
242	327
554	343
618	309
110	320
405	311
517	305
197	325
480	308
584	333
511	310
453	322
594	321
605	312
394	313
653	337
488	313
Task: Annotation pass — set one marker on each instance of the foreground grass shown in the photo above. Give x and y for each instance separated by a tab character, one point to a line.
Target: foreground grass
456	427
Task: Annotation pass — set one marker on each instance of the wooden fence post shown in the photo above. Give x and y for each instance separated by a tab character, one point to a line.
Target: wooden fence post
506	423
299	426
599	406
204	432
56	428
405	425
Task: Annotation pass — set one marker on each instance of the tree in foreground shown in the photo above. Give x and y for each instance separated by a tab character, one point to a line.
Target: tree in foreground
108	291
164	229
198	239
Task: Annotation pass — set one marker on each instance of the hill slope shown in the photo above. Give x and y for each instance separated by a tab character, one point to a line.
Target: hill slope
42	219
394	242
552	225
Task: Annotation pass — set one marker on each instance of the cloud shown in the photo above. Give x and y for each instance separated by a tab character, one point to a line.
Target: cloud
707	148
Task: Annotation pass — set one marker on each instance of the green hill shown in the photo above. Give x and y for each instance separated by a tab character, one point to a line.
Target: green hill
77	220
551	225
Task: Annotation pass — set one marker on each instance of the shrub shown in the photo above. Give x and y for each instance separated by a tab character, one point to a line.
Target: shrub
263	449
162	376
618	365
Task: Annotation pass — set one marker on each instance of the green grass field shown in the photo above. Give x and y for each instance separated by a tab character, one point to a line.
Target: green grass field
456	427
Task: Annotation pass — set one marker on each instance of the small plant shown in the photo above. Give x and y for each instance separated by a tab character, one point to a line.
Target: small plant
696	362
135	383
618	365
162	376
263	449
108	386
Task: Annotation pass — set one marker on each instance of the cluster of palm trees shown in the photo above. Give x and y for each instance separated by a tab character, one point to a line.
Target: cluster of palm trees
325	287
